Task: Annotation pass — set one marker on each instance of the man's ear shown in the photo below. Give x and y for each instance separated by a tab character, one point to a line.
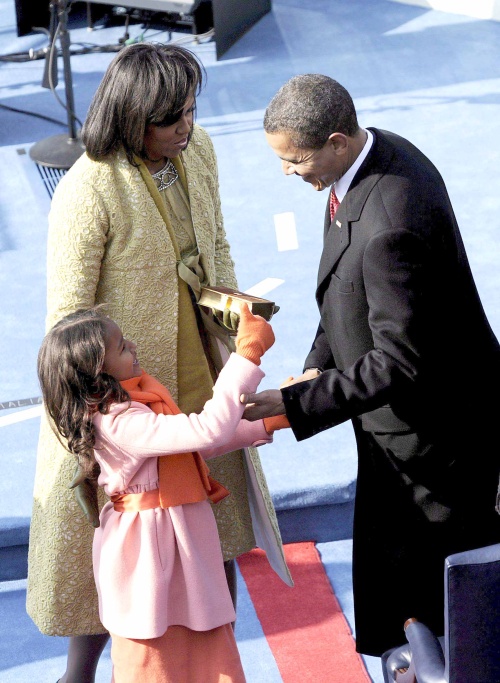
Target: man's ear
339	142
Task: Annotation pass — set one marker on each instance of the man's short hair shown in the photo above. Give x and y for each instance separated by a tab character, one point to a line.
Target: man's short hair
309	108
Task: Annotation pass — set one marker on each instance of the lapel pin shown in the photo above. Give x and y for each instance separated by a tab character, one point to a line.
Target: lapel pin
338	223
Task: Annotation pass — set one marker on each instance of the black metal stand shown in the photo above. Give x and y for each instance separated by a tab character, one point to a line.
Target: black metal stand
59	151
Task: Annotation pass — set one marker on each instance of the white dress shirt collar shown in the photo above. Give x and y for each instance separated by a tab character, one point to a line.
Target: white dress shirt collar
343	183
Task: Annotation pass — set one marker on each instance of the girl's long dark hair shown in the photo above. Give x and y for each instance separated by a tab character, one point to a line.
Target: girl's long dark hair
74	387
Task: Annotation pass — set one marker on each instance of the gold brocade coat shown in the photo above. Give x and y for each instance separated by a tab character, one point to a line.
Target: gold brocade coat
108	244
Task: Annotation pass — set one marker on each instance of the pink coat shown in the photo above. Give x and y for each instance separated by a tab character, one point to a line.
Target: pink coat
160	567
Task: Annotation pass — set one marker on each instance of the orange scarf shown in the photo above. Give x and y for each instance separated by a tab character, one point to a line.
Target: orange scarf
184	477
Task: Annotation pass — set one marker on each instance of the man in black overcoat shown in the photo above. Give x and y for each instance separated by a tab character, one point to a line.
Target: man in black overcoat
403	349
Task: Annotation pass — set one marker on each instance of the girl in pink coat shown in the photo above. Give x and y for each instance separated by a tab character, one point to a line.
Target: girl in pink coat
158	566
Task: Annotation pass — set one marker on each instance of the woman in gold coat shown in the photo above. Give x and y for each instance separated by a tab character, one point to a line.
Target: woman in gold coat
134	218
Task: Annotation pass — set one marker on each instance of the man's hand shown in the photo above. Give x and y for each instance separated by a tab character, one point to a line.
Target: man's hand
86	496
264	404
312	373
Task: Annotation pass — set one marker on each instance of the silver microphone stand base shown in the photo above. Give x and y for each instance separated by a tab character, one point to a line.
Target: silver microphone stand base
58	151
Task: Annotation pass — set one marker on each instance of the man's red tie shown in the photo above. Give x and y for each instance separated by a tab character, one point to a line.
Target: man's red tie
334	203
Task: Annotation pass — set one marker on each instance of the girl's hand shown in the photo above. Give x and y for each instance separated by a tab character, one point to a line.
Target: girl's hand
272	424
255	335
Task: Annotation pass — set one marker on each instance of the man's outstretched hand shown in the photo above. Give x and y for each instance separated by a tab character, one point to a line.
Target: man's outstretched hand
312	373
270	402
264	404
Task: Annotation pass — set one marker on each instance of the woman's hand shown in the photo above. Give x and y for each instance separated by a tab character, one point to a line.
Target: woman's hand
228	319
85	490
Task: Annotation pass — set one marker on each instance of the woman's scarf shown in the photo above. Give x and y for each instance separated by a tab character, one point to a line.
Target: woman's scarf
184	477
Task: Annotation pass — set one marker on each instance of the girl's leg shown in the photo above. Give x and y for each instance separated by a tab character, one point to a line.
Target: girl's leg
230	569
83	656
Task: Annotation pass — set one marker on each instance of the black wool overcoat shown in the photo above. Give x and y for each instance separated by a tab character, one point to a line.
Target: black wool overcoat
408	355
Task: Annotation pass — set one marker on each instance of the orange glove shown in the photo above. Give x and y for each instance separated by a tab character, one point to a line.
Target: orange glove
255	335
272	424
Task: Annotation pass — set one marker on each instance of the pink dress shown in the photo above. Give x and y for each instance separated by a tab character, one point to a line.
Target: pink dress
161	567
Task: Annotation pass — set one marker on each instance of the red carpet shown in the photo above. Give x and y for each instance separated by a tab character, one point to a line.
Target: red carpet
304	626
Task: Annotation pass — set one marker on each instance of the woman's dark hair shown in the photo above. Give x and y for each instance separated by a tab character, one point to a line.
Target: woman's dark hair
309	108
74	387
145	83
